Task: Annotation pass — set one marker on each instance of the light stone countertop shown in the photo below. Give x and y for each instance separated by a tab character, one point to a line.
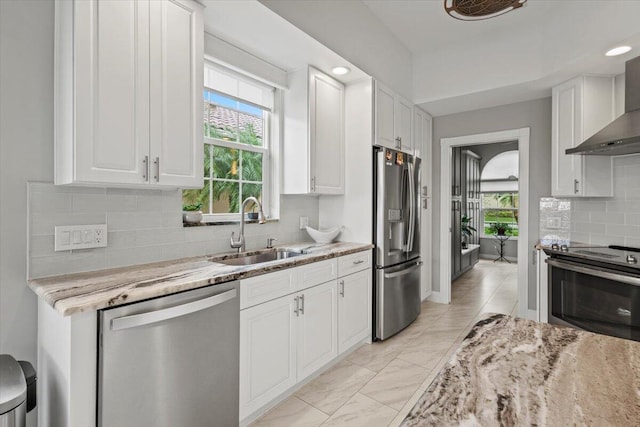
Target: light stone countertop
515	372
75	293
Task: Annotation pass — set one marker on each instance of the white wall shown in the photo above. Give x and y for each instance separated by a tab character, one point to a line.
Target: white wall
350	29
26	153
353	209
143	226
612	220
535	115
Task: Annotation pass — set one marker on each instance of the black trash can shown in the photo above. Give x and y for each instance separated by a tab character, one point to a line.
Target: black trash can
17	391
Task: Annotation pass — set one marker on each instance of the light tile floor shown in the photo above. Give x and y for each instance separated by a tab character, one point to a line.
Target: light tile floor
378	384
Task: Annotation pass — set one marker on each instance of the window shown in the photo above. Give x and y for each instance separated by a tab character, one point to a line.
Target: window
500	199
237	123
500	208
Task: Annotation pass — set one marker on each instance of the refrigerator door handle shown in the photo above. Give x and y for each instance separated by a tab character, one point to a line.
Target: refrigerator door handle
412	208
403	272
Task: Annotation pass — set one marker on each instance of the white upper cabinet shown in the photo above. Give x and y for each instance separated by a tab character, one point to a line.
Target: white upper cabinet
128	93
393	115
313	134
580	107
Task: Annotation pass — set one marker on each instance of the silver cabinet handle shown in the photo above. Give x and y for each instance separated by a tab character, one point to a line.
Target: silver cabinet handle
156	162
302	304
575	186
145	168
136	320
313	184
297	310
342	288
360	261
403	272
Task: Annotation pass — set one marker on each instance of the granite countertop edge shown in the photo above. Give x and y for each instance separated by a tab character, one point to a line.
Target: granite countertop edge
91	291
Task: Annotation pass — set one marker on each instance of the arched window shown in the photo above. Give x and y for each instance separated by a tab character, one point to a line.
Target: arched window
500	199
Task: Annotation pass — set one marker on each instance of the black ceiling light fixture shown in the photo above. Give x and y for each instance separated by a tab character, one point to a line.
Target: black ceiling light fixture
475	10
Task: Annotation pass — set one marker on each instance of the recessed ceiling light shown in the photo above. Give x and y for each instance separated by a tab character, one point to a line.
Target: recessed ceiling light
340	71
620	50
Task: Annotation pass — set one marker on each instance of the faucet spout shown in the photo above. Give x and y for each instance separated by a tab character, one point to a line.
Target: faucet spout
240	243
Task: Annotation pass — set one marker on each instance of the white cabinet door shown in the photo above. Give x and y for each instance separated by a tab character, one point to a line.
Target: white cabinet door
326	133
317	328
313	146
354	309
107	54
422	138
385	106
128	93
267	352
393	118
176	93
567	133
403	119
580	107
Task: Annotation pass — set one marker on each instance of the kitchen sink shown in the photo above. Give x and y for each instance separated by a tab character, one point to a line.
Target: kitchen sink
258	258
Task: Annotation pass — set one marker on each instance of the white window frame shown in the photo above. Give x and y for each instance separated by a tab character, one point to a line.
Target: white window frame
270	135
266	167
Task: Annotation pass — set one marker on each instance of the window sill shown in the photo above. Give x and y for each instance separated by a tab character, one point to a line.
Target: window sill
494	237
226	222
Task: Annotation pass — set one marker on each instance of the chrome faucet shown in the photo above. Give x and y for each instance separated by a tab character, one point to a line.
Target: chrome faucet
239	244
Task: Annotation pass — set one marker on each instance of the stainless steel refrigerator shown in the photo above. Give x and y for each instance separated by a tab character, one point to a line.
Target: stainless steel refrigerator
397	241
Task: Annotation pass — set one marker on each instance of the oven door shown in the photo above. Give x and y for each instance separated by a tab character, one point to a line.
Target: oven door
595	299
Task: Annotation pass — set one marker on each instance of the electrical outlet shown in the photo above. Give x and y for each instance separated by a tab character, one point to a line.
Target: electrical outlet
554	222
70	237
304	222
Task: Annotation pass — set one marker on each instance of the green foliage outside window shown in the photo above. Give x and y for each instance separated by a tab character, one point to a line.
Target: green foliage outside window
500	208
227	169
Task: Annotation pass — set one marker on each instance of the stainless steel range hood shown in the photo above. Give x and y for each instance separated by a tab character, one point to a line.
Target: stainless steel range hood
622	136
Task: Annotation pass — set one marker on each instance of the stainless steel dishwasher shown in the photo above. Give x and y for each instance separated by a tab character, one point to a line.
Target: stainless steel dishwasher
171	361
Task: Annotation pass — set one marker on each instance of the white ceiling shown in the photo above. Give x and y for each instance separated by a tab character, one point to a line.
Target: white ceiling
460	65
249	25
457	66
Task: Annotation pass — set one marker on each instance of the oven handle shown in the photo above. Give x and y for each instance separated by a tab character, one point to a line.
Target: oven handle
604	274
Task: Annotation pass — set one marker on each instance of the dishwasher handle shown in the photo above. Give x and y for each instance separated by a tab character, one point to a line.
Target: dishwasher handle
142	319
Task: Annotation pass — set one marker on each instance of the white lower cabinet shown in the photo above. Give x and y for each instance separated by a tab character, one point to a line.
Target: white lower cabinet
354	309
317	328
290	337
267	352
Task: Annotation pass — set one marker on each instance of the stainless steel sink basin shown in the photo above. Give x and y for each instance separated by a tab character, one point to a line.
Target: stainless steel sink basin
258	258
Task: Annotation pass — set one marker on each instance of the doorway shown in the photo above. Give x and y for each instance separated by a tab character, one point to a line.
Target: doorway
521	136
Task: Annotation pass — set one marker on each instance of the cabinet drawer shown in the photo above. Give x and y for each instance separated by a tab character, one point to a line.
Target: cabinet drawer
259	289
316	273
349	264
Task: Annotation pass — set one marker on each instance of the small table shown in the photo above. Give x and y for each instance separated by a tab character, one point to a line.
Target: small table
502	240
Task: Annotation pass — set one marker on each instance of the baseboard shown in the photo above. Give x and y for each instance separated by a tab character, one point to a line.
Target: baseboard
426	297
492	257
438	297
532	314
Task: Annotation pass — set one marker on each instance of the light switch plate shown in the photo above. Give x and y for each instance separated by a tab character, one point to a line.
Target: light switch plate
304	222
70	237
554	222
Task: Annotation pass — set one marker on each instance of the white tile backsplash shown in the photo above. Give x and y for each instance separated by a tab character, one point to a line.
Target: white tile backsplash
613	220
143	226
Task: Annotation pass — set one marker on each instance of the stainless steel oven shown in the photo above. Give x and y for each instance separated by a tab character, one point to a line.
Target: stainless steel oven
594	296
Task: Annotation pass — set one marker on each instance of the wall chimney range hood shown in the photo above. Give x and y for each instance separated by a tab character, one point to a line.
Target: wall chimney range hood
622	136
